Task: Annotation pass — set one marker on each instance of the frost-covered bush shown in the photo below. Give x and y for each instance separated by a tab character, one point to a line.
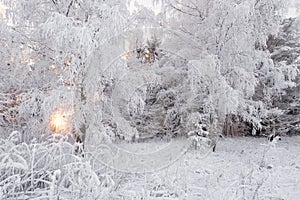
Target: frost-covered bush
49	169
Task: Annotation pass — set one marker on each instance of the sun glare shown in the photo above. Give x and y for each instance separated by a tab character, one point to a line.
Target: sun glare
59	122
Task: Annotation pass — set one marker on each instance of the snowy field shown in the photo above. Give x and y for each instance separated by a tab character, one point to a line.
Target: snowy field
241	168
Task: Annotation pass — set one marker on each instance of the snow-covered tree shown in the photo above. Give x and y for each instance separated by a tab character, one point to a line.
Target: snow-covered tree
48	47
49	42
236	32
285	52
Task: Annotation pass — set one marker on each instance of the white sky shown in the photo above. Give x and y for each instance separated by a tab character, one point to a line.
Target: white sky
2	9
147	3
292	12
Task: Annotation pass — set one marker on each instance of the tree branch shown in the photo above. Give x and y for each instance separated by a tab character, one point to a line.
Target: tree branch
69	7
182	11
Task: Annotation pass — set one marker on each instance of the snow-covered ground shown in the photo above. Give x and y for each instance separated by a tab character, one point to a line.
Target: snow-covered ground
241	168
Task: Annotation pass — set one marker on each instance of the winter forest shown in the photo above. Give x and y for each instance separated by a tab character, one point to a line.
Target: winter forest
150	99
